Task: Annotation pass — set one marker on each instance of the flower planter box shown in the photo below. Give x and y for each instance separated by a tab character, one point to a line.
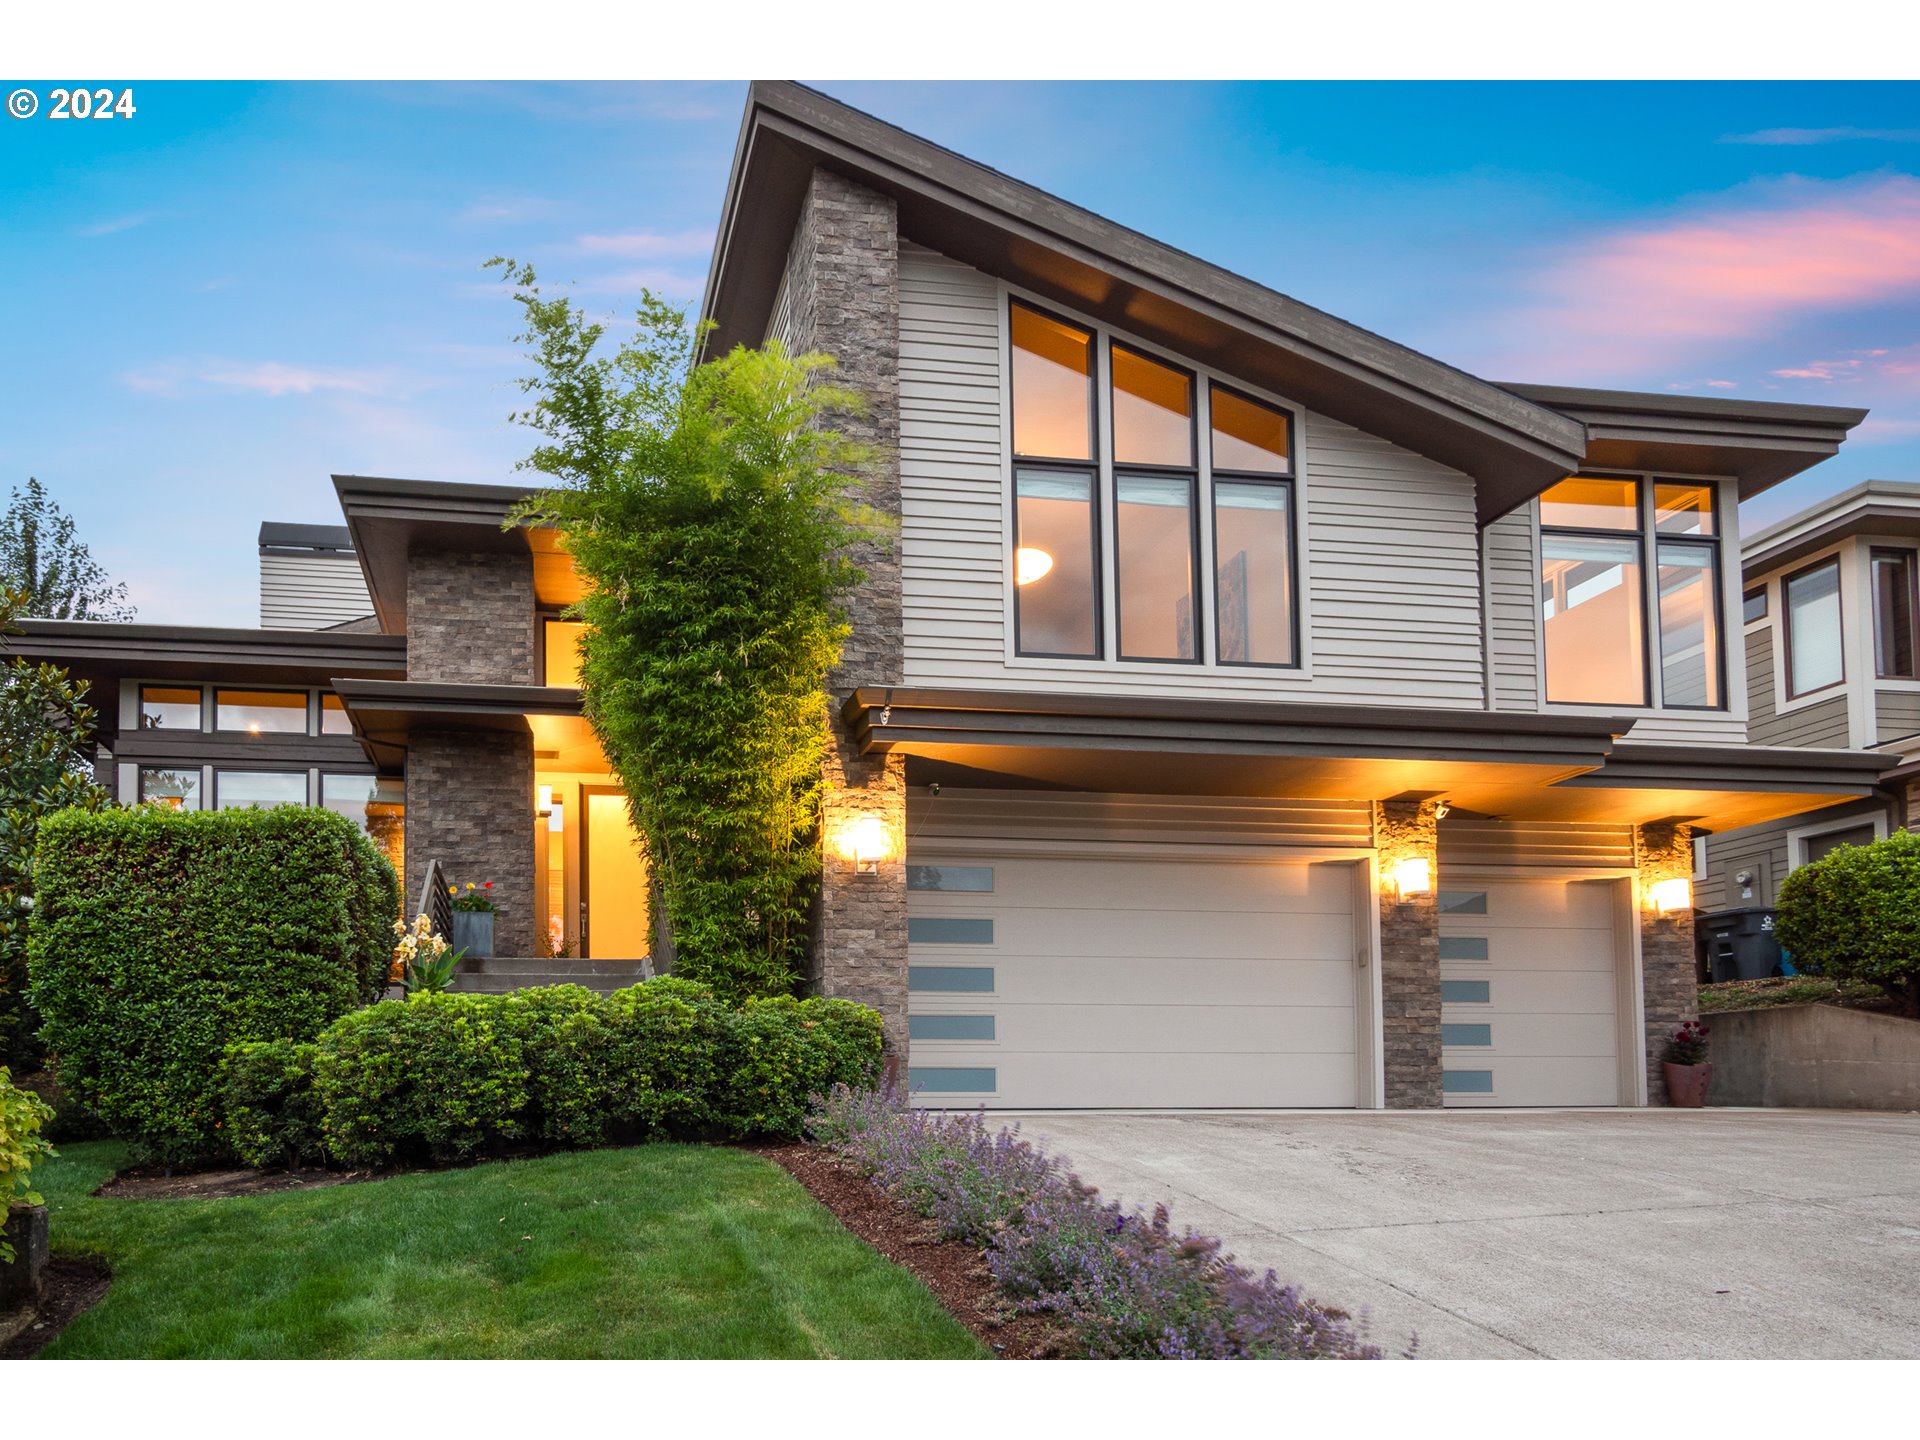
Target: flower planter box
473	933
1687	1085
23	1283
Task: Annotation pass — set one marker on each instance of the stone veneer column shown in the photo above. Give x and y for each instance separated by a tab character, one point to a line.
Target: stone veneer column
470	621
1669	982
843	289
470	806
470	617
1409	956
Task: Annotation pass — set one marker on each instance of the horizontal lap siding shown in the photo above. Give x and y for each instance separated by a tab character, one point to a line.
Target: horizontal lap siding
1897	714
1391	544
311	592
1046	815
1513	610
1758	850
1466	842
1821	725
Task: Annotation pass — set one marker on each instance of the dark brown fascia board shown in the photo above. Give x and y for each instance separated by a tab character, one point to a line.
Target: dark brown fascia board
883	719
1758	442
1772	768
1513	447
152	747
386	516
423	698
385	713
177	650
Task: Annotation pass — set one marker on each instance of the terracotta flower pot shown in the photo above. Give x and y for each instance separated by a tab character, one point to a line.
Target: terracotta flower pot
1687	1084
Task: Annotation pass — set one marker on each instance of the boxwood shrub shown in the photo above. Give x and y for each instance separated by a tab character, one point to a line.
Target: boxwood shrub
159	939
445	1078
1854	914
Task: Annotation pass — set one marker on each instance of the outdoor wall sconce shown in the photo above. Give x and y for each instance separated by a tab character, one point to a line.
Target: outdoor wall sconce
865	842
1413	875
1667	896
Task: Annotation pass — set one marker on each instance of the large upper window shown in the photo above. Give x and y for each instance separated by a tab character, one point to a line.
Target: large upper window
1252	452
1157	543
1893	612
1815	649
1134	471
168	707
1603	539
261	712
249	789
1056	518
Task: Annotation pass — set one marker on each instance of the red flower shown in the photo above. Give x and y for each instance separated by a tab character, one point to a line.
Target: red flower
487	886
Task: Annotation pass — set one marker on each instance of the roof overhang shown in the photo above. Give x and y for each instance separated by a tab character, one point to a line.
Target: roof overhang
1513	446
1757	442
386	713
1877	507
388	517
1510	766
103	653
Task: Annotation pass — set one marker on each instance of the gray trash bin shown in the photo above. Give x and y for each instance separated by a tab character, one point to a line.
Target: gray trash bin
1740	944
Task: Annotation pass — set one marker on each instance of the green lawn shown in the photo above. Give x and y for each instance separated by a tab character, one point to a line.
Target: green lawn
658	1251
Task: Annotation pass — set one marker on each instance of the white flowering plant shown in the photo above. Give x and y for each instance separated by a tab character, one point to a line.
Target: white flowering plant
425	960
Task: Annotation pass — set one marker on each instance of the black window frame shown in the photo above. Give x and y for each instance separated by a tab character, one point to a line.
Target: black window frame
140	707
309	723
1092	478
1876	554
1648	536
1786	625
193	768
1088	469
1190	474
1287	482
303	771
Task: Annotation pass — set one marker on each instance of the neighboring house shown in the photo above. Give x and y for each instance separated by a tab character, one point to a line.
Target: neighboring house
1252	713
1828	606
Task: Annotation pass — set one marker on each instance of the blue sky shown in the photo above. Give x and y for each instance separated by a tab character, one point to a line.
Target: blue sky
215	305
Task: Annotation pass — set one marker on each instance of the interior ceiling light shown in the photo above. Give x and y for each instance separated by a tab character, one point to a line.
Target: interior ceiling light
1030	565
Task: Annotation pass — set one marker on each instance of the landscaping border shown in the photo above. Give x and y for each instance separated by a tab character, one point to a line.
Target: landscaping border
953	1270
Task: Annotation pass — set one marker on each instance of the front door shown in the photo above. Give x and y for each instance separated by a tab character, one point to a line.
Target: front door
613	879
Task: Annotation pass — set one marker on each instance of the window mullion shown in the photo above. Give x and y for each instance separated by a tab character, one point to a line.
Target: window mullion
1106	496
1205	602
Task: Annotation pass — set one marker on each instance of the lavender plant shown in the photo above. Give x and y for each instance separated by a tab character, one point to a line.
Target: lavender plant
1123	1284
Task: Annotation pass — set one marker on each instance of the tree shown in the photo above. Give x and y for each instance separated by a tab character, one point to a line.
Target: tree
45	564
1854	914
46	735
705	507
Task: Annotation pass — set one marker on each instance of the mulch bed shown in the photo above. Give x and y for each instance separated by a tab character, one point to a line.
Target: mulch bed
952	1269
147	1182
74	1285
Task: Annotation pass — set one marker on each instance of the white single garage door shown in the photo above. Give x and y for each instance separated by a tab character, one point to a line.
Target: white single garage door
1530	992
1041	980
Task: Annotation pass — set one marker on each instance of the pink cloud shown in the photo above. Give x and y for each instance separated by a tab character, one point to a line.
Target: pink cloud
1643	297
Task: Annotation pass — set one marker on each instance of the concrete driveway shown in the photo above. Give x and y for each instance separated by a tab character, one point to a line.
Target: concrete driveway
1593	1234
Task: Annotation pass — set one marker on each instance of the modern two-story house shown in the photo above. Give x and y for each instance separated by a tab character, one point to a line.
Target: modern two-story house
1252	712
1828	610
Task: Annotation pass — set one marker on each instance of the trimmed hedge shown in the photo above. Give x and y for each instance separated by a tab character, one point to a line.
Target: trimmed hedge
161	938
445	1078
1854	914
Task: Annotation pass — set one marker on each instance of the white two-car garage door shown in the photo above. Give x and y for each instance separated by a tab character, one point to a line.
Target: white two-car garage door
1531	992
1047	980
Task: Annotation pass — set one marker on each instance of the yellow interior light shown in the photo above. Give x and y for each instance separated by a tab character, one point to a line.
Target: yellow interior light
1030	565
